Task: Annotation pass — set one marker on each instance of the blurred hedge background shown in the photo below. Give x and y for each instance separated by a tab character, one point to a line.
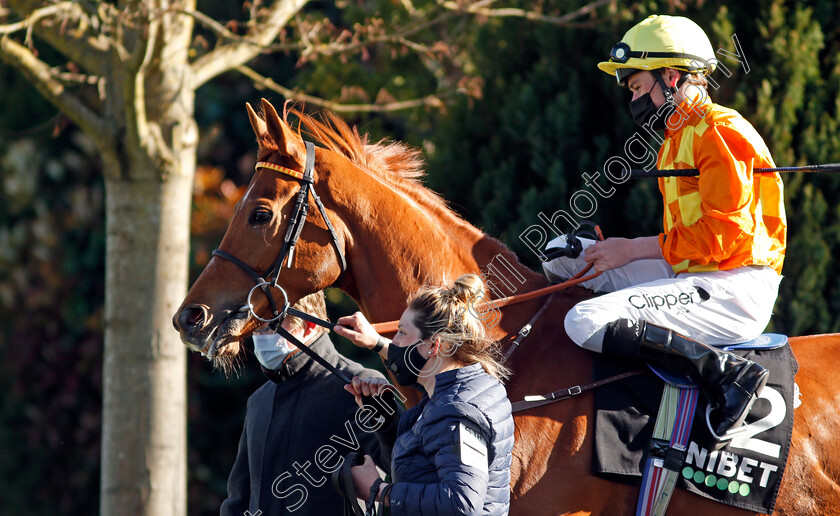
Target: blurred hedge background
533	114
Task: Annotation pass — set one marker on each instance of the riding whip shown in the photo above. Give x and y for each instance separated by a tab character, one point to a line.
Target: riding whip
689	172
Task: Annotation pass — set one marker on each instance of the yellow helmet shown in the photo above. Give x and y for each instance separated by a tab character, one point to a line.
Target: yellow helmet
661	41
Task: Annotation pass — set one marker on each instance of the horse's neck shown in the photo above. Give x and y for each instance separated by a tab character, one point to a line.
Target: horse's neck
404	244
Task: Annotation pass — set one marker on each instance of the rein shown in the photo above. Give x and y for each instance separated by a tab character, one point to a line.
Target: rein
577	279
287	310
581	277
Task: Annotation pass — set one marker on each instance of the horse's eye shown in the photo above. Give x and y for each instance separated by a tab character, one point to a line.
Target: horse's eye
260	216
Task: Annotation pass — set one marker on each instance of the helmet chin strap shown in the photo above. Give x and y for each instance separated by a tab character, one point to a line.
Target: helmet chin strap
666	90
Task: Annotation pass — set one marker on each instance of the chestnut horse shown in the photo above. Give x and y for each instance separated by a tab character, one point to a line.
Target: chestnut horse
398	236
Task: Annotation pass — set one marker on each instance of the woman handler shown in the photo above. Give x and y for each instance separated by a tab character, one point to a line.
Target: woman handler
451	453
713	273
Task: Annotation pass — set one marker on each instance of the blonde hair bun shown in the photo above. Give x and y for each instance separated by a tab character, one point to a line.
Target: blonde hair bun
466	288
452	314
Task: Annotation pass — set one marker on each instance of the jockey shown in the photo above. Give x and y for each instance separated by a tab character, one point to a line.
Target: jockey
711	277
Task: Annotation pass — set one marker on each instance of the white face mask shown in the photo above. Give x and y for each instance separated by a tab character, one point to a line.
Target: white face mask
270	349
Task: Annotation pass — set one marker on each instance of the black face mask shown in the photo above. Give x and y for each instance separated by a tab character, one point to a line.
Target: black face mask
643	109
405	363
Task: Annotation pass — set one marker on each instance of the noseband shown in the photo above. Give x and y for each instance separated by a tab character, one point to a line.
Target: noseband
290	239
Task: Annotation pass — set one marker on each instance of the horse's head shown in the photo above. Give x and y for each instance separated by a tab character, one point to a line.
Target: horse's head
215	316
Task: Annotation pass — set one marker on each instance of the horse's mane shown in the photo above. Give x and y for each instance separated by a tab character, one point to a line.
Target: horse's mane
386	158
397	164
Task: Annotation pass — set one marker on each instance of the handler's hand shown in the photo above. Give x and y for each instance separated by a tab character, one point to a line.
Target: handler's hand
367	387
363	477
611	253
357	330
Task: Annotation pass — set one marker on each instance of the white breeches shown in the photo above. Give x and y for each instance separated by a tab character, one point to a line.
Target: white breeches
716	308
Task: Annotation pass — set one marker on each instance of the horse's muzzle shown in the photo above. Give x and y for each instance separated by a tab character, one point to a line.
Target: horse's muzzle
191	319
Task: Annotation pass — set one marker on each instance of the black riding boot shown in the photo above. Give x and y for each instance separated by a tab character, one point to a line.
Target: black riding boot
729	382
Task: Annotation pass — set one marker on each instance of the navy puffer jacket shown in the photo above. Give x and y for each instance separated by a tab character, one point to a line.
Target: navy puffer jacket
451	454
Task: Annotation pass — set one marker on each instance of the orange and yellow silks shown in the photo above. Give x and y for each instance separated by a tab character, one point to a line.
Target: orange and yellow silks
727	217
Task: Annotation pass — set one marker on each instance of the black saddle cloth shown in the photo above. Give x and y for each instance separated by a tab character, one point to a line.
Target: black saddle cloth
746	473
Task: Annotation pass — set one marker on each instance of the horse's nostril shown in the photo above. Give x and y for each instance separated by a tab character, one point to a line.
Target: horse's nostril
192	317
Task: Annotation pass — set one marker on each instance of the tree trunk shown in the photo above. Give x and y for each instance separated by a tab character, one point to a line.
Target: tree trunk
144	405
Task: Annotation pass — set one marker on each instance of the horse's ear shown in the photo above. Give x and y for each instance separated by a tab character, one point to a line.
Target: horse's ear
257	123
287	141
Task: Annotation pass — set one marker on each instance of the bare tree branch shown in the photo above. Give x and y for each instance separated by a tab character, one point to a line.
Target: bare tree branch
79	43
399	35
409	7
140	59
565	20
34	17
262	30
308	49
74	77
338	107
39	74
223	31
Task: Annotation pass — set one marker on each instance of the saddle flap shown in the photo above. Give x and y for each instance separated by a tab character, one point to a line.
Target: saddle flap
763	341
680	381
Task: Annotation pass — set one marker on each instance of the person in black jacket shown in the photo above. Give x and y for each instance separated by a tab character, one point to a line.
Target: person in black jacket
298	426
451	453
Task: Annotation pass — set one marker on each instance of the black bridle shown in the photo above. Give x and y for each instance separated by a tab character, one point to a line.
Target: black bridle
290	239
287	252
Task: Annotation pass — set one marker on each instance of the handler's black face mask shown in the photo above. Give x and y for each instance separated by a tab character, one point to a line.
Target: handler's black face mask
405	363
646	114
